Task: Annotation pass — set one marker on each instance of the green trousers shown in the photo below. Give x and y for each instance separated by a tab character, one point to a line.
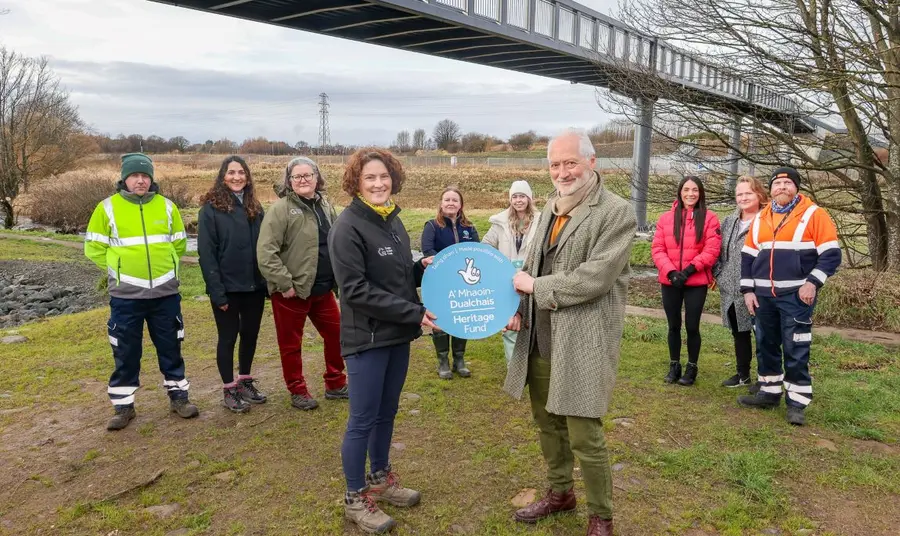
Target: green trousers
565	438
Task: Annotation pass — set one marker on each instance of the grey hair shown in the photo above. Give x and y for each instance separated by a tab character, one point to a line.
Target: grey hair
298	161
585	145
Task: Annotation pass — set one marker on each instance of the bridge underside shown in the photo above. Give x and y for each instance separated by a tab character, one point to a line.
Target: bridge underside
421	27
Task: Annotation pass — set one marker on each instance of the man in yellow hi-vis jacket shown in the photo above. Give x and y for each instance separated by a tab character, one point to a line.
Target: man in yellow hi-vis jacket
137	237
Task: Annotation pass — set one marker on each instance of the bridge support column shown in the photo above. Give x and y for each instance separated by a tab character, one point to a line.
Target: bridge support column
640	175
734	158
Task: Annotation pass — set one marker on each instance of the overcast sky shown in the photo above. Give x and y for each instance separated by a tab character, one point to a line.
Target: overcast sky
135	66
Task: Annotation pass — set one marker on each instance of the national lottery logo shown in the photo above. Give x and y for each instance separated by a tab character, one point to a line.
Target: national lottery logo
470	275
469	288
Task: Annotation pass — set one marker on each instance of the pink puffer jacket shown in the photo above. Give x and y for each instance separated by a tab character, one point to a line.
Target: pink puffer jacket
669	255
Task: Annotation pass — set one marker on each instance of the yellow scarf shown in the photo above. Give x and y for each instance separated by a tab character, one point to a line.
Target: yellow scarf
382	210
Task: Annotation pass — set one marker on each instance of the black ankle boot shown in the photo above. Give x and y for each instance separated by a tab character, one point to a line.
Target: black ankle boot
674	372
690	375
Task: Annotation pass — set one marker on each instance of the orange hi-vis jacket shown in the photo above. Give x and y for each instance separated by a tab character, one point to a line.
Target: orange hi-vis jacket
784	251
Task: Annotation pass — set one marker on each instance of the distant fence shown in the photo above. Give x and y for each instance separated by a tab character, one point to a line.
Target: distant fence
673	164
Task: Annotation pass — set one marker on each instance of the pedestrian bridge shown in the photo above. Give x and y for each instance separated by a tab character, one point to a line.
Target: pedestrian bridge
552	38
557	39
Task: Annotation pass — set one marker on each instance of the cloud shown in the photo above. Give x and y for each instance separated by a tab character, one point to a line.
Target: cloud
125	97
143	67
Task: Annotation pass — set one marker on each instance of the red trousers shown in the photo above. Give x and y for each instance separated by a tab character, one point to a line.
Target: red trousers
290	317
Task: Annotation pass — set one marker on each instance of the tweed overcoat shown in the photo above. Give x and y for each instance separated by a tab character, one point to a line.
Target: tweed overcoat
727	272
585	295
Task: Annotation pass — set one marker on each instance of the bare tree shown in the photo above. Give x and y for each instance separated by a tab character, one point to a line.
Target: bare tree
446	134
402	142
419	139
38	127
523	140
179	143
836	58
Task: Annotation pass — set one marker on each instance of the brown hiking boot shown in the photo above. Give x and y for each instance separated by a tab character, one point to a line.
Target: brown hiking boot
385	486
599	527
361	509
552	503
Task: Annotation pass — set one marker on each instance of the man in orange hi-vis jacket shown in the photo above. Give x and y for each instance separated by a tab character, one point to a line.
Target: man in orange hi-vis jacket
790	251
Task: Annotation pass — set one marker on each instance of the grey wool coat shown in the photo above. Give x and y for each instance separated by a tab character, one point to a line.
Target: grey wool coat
585	295
727	272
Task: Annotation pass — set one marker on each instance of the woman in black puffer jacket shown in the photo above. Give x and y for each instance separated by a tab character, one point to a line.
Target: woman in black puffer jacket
229	222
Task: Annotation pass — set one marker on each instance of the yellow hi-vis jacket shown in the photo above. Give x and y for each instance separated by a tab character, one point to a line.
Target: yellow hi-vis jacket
138	241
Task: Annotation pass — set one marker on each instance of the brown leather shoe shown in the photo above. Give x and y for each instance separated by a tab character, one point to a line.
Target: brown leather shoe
552	503
599	527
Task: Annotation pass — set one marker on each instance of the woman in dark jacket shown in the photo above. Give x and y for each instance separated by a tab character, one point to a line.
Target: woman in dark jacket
230	218
450	226
380	316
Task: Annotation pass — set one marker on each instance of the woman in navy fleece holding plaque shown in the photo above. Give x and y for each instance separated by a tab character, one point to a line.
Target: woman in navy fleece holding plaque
450	226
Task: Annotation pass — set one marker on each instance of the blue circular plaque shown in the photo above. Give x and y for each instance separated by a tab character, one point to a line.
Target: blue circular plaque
469	288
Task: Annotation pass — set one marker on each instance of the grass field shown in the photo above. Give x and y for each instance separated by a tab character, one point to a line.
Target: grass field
687	461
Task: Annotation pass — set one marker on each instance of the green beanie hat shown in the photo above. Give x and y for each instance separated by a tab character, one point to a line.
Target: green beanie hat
136	163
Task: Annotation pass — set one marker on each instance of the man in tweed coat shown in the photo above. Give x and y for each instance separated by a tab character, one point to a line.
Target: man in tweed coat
570	320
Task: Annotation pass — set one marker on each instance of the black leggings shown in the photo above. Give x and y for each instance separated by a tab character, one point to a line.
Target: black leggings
743	346
693	299
244	314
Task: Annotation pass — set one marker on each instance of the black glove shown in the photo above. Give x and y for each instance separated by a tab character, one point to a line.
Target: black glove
689	271
678	279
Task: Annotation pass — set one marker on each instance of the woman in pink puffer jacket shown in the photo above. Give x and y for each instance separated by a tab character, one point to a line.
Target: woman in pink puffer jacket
685	247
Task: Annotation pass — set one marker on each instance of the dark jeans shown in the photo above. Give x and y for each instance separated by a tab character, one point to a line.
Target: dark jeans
784	322
375	379
743	346
244	314
126	334
693	299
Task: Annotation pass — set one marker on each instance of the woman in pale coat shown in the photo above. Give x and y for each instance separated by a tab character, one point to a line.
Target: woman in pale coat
750	196
511	232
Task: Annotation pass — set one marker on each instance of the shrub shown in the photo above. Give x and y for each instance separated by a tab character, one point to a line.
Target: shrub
177	192
67	202
863	299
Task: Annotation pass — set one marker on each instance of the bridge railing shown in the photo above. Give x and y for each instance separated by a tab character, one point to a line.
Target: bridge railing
570	24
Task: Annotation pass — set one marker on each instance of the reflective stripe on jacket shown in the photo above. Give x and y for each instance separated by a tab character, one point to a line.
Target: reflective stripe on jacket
780	256
138	241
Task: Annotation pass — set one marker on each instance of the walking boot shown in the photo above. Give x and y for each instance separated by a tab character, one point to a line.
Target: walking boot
360	508
795	416
759	400
233	401
336	394
690	375
385	486
552	503
120	420
184	408
599	527
249	392
442	347
303	401
674	372
459	357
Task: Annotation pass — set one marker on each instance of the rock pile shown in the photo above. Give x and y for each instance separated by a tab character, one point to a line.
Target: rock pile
22	300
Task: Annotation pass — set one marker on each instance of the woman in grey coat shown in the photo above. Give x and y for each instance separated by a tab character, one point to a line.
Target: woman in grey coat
750	196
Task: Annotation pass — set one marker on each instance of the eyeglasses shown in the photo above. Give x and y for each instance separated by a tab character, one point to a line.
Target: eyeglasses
306	177
568	164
